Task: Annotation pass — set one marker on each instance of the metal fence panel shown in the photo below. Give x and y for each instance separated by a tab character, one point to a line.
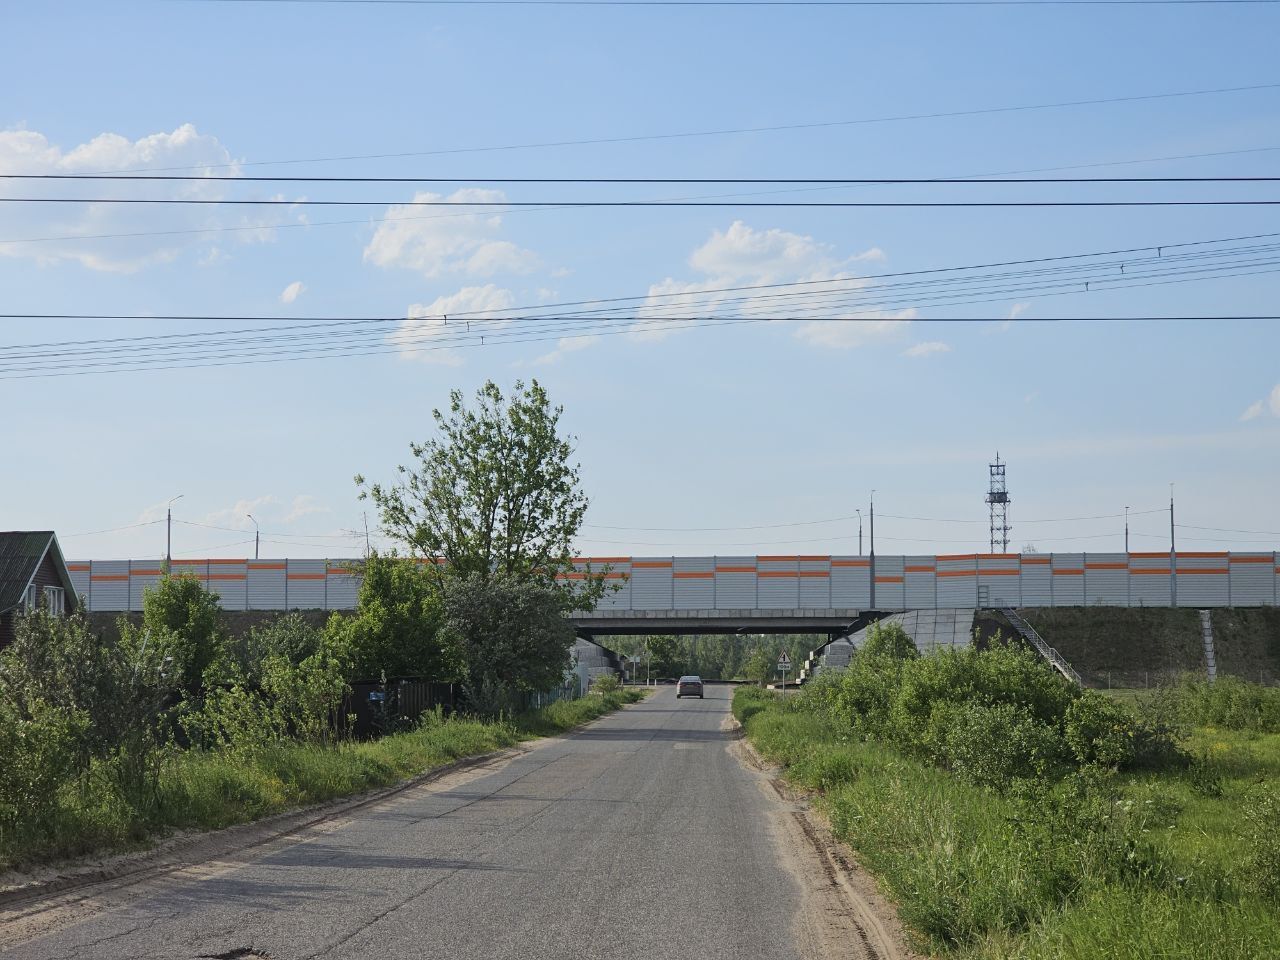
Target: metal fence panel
652	586
1068	579
81	579
850	582
920	585
229	580
999	583
307	584
1106	579
889	583
694	583
779	587
343	585
265	584
1036	580
110	584
143	576
815	583
617	577
735	583
1253	581
957	575
1203	579
1149	582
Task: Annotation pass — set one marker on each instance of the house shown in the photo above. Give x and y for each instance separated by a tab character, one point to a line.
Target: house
32	572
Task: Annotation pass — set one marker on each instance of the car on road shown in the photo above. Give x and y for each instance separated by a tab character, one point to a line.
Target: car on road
689	687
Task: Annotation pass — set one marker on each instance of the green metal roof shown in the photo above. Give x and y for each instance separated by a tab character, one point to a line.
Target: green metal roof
20	553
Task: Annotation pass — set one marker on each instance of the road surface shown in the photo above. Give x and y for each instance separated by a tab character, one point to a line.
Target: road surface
642	835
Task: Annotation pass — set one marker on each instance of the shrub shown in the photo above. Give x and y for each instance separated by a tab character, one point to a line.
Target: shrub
1099	731
889	640
1262	822
605	683
1229	702
992	744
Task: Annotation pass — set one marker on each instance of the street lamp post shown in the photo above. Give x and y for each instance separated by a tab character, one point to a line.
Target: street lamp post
873	550
859	512
168	531
256	532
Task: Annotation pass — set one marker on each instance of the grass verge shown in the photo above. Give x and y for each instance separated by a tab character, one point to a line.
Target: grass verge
1179	863
197	790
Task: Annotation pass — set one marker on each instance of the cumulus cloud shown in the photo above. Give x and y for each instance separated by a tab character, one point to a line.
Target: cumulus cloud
1268	404
450	316
437	244
925	348
304	505
141	236
566	345
743	256
292	291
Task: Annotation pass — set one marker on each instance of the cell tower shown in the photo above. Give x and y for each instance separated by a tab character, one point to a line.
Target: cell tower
998	498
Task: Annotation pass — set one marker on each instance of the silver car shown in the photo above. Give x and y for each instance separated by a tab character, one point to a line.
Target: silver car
689	686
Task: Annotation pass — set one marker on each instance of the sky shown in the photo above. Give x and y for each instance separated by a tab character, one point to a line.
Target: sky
728	439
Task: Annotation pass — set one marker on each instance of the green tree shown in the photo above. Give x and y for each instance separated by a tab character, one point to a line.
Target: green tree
514	636
666	657
181	621
759	666
395	631
494	494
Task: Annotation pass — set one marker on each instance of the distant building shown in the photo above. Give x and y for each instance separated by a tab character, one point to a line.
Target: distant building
32	574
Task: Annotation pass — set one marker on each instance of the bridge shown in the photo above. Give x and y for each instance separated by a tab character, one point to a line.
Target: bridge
762	594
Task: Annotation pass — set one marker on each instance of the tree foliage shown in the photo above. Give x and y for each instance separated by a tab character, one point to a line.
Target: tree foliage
181	621
493	494
396	628
513	635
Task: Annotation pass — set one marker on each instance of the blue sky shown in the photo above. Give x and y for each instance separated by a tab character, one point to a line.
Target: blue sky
731	427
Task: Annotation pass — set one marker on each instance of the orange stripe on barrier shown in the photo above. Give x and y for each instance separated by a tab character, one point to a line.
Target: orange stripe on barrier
957	573
226	576
1150	556
224	562
306	576
888	579
82	567
1266	559
1213	554
957	556
814	559
1069	572
652	565
1148	571
266	566
735	569
145	572
778	559
109	576
1035	561
571	576
693	574
919	569
1202	570
601	559
999	573
851	563
815	573
999	556
777	573
1106	566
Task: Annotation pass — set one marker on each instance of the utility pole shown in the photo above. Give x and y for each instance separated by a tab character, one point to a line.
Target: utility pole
367	549
1173	556
873	550
859	531
1126	529
255	535
168	532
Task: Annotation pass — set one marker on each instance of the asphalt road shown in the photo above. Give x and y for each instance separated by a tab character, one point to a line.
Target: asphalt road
642	835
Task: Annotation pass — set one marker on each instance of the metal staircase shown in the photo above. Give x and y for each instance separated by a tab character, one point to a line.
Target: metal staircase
1028	633
1206	634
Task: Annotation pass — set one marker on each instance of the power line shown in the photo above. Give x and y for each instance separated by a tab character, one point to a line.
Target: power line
1187	526
835	4
589	204
91	533
733	131
402	219
832	181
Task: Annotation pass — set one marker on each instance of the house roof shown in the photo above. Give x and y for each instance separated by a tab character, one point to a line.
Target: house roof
21	552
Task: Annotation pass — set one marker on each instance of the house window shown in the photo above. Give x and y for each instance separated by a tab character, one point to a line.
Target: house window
55	601
29	598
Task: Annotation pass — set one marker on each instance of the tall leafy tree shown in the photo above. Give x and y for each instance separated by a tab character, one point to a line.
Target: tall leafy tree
494	494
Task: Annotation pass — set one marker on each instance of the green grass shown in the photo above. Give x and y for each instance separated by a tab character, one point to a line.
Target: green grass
1167	869
200	790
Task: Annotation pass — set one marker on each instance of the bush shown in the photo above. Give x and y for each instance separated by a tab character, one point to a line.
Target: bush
1229	702
605	683
1262	820
993	744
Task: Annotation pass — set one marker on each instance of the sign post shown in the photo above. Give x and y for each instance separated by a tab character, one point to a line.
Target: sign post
784	667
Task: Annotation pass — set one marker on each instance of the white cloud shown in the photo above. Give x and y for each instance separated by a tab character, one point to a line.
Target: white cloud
305	505
236	516
566	345
742	256
291	292
50	236
1270	402
450	316
860	332
926	347
439	244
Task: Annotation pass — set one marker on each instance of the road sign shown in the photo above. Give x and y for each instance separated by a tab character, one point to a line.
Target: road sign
784	661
